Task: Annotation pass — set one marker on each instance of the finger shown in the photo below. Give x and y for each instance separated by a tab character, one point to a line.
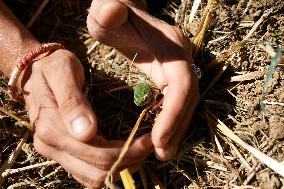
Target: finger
140	149
94	176
103	154
84	183
121	34
107	153
98	152
83	172
174	106
32	104
177	136
174	142
64	76
109	14
116	177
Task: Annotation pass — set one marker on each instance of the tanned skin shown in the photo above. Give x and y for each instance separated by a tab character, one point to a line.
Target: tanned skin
65	125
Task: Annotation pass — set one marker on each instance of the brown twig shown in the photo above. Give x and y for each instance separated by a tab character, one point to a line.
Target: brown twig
37	13
270	162
248	76
10	114
109	178
13	171
225	55
203	25
11	160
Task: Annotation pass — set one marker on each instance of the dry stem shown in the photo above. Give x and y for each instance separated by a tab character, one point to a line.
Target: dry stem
37	13
10	162
109	178
198	38
13	171
10	114
270	162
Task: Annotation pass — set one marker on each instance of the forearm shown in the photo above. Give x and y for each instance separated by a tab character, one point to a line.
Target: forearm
15	40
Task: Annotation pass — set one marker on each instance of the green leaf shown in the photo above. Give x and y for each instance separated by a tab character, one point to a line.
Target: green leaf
274	61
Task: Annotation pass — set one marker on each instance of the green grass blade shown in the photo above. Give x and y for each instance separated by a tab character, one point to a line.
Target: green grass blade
274	61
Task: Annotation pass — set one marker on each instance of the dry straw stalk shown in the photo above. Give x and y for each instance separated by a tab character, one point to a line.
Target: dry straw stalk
276	166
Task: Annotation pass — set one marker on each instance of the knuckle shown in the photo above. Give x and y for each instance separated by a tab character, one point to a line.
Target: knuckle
62	145
104	161
71	101
62	60
39	147
44	132
64	55
160	142
96	181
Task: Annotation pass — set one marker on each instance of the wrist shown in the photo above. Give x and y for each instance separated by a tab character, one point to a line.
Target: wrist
11	55
20	69
15	40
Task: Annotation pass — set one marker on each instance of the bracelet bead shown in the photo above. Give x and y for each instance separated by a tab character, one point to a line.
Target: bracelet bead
26	60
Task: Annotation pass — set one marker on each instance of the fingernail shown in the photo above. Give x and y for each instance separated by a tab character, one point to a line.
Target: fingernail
80	125
165	90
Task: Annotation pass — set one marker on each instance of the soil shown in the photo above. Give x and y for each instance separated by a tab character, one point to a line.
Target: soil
207	158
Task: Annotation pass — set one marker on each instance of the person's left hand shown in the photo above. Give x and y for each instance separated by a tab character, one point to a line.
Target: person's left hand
65	125
162	53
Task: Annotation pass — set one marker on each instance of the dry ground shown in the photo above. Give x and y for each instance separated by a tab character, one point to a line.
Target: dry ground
207	158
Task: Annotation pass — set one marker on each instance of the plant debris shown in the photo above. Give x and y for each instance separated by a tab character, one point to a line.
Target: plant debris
206	158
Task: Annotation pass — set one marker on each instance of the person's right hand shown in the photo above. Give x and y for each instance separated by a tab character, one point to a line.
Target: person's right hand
163	53
65	124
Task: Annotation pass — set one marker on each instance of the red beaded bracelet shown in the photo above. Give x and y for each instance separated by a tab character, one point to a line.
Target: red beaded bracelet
44	48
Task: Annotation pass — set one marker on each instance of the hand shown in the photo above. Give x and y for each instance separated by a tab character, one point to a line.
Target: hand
65	124
162	53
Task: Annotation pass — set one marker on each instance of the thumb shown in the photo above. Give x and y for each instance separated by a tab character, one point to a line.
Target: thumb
64	76
109	14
